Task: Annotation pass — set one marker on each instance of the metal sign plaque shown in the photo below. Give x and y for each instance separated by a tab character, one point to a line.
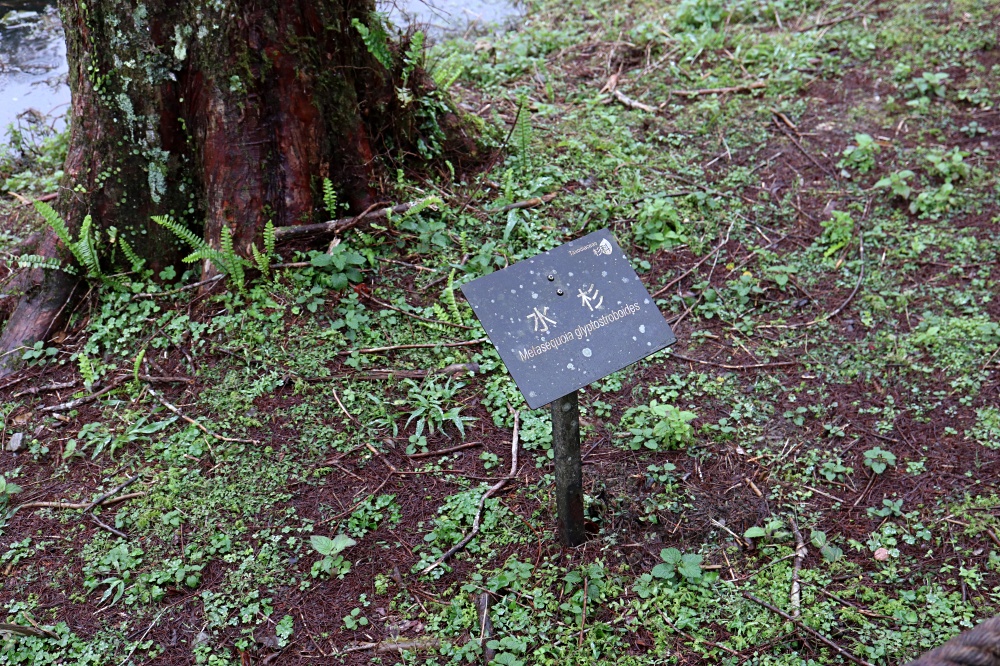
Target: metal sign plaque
568	317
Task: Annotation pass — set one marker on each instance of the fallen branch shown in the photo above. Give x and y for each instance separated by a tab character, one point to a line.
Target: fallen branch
812	632
443	452
527	203
167	379
111	493
395	645
383	458
802	150
73	404
388	373
58	386
282	234
795	596
196	424
848	17
687	272
107	527
78	505
746	87
416	316
633	104
21	630
734	367
482	501
427	345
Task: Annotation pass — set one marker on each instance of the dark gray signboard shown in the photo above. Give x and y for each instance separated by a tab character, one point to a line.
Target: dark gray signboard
568	317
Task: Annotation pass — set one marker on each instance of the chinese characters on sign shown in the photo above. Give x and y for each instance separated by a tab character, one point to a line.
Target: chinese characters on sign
568	317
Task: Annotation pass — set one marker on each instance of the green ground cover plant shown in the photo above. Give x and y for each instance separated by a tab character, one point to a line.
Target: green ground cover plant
804	186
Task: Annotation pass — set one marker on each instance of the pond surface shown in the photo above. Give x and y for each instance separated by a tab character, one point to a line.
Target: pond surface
33	53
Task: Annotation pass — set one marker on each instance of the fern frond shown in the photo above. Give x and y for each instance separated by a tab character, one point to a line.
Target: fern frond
263	261
134	259
85	250
270	238
329	198
38	261
53	219
181	231
422	205
448	297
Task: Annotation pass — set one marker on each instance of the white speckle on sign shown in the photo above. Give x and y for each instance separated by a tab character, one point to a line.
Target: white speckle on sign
534	295
586	352
604	274
569	366
642	328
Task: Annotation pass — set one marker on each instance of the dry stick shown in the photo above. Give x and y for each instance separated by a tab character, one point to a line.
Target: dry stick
687	272
695	640
803	150
633	104
427	345
107	527
387	373
526	203
442	452
848	17
341	405
482	501
354	508
21	630
193	285
114	491
734	367
795	596
382	457
812	632
746	87
58	386
73	404
831	315
343	224
77	505
196	424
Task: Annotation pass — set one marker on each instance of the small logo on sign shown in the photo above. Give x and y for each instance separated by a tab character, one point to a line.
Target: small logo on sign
603	248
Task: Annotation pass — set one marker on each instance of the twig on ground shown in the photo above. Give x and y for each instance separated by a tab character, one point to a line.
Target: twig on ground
832	22
21	630
382	458
812	632
394	645
831	315
795	596
632	103
199	426
802	150
341	405
111	493
107	527
77	505
193	285
389	373
482	501
282	234
745	87
58	386
426	345
443	452
734	367
697	640
526	203
166	379
344	514
687	272
73	404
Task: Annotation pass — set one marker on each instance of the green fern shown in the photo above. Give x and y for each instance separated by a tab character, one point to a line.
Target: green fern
329	198
133	258
263	259
225	259
522	134
422	205
31	261
413	55
376	40
86	370
84	249
448	296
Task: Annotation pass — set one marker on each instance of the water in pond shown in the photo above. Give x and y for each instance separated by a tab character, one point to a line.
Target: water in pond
33	53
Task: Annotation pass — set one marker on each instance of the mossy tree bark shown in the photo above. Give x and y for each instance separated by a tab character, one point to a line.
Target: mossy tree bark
220	113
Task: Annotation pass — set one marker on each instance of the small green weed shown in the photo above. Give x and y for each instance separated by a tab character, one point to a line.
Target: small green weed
658	425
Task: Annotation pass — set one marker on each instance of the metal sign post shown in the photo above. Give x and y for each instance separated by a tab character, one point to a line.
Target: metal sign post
569	474
561	320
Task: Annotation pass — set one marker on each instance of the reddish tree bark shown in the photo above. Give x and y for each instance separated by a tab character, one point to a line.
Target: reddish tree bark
222	115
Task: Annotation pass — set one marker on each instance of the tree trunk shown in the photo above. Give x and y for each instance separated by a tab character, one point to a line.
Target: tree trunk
221	115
